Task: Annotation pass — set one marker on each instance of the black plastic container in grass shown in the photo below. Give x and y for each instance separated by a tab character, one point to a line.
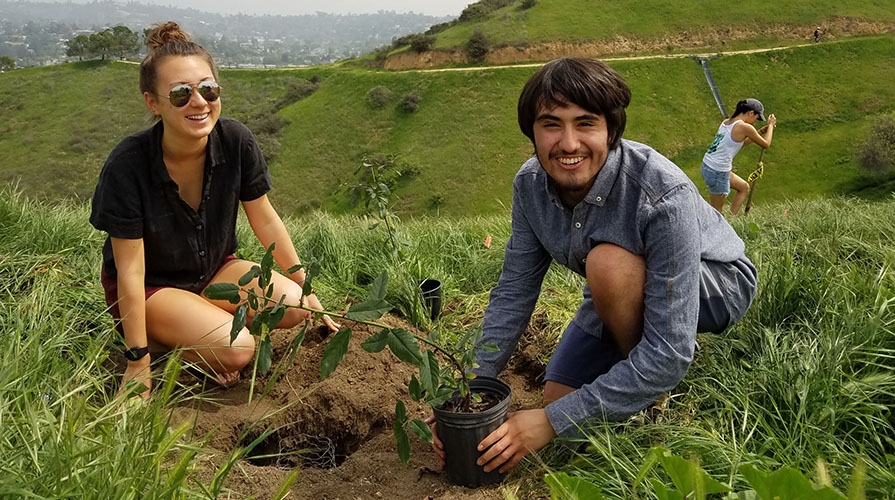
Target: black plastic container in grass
461	431
430	290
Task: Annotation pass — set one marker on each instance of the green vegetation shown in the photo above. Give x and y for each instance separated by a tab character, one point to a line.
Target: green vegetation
806	376
462	136
550	21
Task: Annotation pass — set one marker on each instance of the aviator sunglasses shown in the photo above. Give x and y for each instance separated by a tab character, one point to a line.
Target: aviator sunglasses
181	94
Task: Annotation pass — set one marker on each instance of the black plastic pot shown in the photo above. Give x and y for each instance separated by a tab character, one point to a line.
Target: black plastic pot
461	433
430	289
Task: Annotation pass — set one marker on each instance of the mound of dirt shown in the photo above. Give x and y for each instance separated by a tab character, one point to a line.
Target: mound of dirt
336	431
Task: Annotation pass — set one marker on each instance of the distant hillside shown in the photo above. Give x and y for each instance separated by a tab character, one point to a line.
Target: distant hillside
33	33
554	28
461	145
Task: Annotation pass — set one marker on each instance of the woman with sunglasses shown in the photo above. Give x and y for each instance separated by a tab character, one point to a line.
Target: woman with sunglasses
168	198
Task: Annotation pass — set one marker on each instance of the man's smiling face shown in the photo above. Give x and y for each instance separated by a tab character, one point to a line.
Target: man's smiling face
572	145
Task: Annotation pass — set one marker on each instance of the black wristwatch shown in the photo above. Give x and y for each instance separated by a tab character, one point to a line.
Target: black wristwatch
136	353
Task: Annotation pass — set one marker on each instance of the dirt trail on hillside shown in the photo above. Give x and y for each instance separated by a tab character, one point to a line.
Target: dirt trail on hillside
620	47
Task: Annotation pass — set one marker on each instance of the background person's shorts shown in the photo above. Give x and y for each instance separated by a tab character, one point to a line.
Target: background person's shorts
726	290
718	182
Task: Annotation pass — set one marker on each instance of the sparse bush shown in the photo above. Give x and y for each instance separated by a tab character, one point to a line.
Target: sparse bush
315	79
877	155
527	4
379	97
422	43
410	102
297	90
478	46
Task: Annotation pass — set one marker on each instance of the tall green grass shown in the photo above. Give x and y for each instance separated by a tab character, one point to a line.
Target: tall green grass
808	374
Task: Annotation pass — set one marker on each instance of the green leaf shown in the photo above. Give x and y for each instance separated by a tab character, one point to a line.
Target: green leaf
689	477
566	487
294	268
415	388
422	430
376	342
403	442
489	347
239	322
650	461
665	493
334	352
380	286
404	346
266	267
429	372
368	310
265	355
223	291
400	412
247	278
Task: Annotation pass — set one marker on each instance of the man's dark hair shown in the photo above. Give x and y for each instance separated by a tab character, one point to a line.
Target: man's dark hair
588	83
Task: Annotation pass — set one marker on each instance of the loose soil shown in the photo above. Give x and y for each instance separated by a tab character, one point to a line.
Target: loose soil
337	431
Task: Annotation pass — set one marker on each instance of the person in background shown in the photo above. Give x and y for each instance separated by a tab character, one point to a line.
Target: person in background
734	133
817	34
660	264
168	198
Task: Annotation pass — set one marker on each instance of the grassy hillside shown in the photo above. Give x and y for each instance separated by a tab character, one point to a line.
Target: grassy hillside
752	22
467	146
60	122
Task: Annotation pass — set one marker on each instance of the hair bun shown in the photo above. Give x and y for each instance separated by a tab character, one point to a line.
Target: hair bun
160	34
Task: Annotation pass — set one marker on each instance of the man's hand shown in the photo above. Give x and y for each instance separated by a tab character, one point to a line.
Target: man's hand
523	432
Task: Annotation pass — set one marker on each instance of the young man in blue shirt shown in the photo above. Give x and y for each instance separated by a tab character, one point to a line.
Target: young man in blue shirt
661	264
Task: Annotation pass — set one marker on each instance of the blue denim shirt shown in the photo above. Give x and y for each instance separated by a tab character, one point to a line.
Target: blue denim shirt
645	204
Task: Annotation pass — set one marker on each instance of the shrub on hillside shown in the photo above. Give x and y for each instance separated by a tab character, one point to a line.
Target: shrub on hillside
527	4
478	46
410	102
297	90
378	97
878	154
422	43
482	8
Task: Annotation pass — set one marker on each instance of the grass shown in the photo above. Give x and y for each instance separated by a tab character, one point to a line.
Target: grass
463	140
807	375
549	20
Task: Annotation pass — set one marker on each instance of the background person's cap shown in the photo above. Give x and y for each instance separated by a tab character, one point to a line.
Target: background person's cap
757	106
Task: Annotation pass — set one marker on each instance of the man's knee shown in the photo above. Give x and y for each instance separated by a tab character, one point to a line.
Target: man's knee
611	270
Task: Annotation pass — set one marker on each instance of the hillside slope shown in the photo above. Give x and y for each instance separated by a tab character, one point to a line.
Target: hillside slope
555	28
465	143
462	143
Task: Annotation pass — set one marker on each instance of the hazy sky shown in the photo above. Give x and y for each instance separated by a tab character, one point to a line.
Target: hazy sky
294	7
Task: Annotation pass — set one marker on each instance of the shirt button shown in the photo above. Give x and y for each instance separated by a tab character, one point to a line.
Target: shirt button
202	253
578	225
199	227
201	276
599	198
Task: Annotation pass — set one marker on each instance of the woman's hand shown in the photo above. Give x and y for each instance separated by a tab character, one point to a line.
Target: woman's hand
313	302
140	372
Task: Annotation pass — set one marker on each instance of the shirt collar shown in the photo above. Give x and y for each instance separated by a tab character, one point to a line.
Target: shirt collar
214	151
